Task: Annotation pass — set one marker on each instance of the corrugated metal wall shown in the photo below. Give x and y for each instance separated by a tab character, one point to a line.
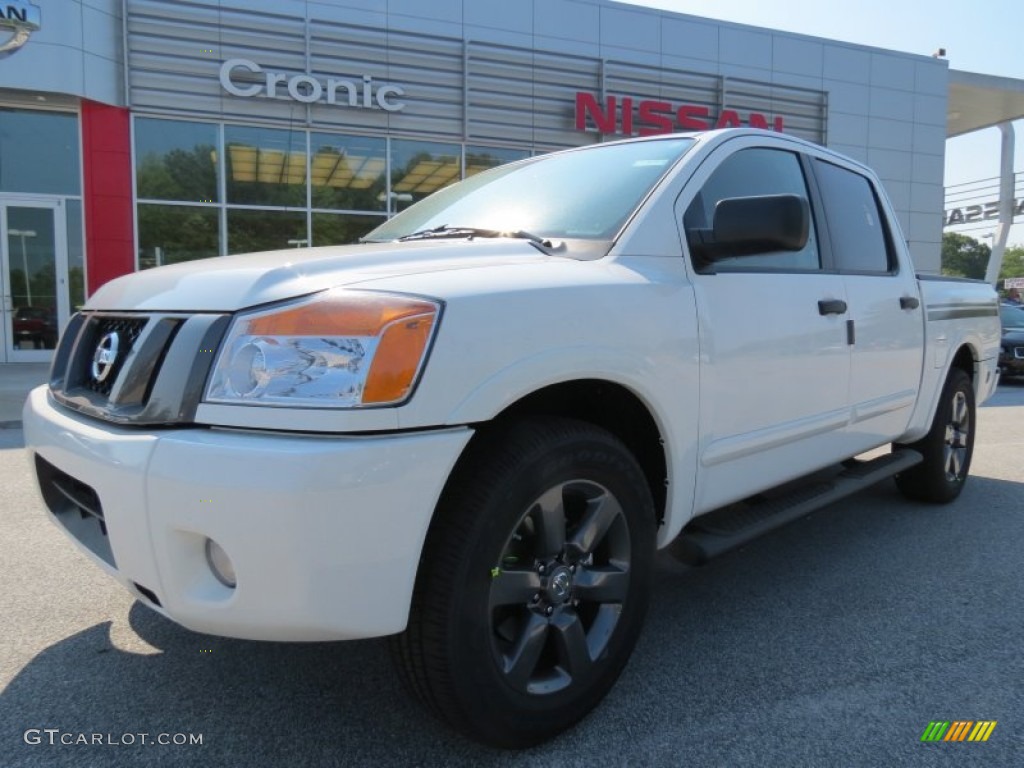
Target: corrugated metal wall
454	90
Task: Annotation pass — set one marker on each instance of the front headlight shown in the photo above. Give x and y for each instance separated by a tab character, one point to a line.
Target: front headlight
338	349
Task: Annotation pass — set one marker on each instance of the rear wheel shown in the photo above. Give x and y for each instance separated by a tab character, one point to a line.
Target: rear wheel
947	448
533	583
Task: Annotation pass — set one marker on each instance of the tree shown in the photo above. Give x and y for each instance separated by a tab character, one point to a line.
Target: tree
963	256
1013	262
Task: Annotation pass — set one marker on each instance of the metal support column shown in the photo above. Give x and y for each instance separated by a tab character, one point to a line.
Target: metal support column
995	261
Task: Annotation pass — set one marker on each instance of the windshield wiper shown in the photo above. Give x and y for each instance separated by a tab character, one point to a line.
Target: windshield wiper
470	232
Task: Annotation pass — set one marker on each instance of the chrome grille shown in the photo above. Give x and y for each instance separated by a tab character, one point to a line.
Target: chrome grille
128	329
155	375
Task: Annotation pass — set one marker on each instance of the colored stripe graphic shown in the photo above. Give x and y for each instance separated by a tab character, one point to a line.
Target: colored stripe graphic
958	730
982	730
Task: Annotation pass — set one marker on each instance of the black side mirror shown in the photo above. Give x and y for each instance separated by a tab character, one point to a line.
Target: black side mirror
746	226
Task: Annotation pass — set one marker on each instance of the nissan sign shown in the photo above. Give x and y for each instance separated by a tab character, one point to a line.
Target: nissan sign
652	116
22	19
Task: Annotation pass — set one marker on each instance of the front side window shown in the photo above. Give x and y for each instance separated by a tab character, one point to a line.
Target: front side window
856	226
752	173
586	194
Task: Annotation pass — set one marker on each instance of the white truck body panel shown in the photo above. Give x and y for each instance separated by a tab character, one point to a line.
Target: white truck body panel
748	384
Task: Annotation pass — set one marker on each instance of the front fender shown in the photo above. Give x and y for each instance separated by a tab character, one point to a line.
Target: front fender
670	396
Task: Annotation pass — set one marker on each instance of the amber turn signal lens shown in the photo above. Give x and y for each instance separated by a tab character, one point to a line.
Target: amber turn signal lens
401	347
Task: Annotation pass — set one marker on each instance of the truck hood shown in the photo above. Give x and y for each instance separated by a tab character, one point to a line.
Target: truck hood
231	283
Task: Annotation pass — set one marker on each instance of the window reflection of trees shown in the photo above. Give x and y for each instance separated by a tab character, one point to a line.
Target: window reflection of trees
341	229
254	231
274	169
179	175
169	234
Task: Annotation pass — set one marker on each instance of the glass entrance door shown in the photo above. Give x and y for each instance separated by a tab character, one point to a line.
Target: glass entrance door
33	278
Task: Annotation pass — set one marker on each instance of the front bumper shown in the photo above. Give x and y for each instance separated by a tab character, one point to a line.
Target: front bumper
324	531
1010	365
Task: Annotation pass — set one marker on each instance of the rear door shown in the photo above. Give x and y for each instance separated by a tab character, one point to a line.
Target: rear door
775	361
887	325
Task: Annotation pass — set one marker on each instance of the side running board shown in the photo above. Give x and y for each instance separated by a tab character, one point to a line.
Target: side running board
724	529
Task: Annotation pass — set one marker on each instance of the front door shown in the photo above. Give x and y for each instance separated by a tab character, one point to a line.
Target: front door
775	360
33	278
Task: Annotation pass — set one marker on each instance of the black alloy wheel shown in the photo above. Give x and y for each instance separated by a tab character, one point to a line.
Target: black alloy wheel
557	594
533	583
947	448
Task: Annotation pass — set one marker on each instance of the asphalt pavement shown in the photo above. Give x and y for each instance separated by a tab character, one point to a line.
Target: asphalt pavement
832	642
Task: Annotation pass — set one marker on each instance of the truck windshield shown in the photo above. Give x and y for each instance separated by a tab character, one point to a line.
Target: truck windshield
587	194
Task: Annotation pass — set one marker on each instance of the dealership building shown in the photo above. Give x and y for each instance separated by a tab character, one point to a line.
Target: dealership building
135	133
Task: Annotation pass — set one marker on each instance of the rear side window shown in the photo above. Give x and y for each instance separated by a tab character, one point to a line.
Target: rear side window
860	240
749	173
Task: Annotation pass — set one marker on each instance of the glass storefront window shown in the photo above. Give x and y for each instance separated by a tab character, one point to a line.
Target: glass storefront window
347	172
481	158
419	168
169	234
176	160
76	255
265	166
32	261
281	188
39	152
342	229
250	231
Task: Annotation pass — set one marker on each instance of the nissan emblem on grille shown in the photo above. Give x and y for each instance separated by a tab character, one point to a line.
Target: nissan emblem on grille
105	356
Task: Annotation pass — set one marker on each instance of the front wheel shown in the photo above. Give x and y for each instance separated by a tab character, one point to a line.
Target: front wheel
533	582
947	448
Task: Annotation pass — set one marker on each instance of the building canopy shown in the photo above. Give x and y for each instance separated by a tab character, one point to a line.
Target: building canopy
979	101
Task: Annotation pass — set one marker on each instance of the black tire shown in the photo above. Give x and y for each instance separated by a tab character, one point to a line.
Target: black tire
947	448
533	583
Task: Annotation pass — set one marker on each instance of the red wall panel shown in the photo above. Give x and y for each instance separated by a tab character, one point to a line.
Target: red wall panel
107	168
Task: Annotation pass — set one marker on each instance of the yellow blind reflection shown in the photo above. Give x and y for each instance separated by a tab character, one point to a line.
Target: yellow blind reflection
429	175
330	168
335	168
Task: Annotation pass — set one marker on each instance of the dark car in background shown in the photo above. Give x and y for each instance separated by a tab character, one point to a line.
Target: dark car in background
1011	316
1011	354
1011	347
37	325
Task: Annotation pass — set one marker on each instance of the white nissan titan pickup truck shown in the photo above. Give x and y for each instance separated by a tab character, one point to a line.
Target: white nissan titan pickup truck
473	429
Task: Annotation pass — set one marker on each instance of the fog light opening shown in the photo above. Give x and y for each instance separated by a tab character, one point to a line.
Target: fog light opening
220	564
